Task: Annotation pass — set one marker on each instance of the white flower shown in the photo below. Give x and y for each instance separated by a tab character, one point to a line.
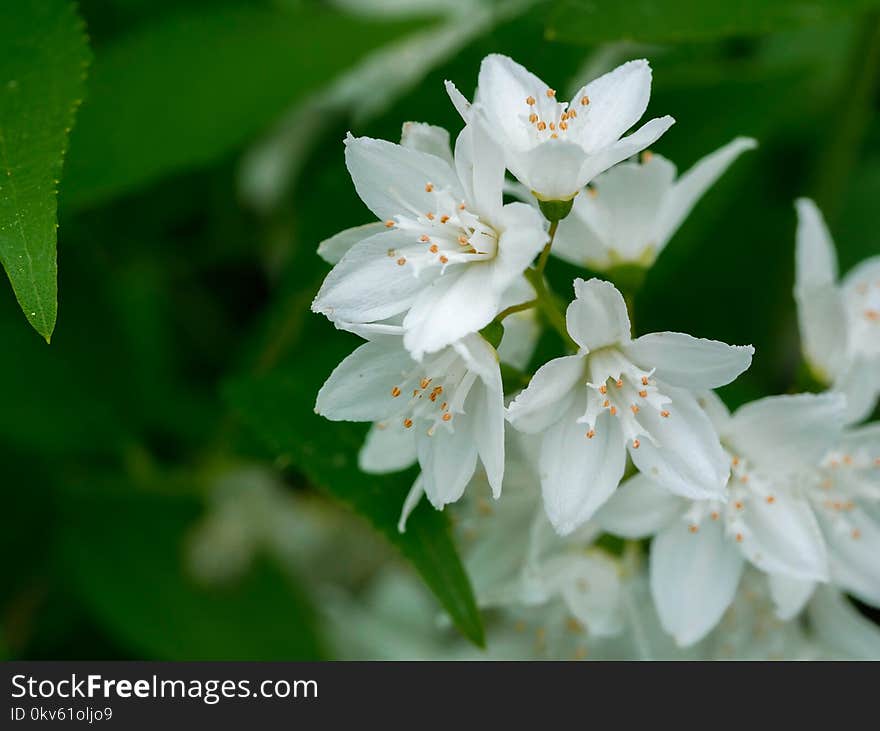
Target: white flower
839	321
845	493
618	393
701	547
554	592
447	250
555	148
630	213
446	411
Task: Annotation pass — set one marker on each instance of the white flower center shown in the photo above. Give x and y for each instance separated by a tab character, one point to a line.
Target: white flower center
447	234
432	392
545	118
842	479
863	315
743	488
623	390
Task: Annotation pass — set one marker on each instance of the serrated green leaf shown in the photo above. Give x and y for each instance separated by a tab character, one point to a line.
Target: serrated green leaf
43	58
123	552
187	89
596	21
279	409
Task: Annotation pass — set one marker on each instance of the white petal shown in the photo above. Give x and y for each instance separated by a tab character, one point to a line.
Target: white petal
479	163
521	333
333	249
502	88
855	561
427	138
625	202
410	503
693	578
690	187
839	624
618	100
582	237
481	358
816	260
806	421
462	105
578	474
548	394
597	316
590	587
368	284
643	137
694	363
639	508
458	303
485	405
784	538
715	409
359	389
391	179
823	329
552	169
860	384
522	238
789	595
687	458
448	460
389	447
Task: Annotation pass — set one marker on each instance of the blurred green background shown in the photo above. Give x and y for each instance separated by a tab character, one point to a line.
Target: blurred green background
167	492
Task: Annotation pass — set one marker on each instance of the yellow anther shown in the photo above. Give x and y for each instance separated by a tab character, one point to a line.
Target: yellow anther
585	100
395	392
551	93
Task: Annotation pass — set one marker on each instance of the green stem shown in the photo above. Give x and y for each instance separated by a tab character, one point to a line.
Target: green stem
549	305
545	253
515	308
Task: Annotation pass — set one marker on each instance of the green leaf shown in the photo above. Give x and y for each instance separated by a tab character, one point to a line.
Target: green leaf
123	551
43	57
596	21
279	409
189	88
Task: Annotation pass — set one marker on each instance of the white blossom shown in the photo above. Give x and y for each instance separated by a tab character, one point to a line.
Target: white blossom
844	491
446	411
617	394
839	320
555	148
700	547
629	213
446	250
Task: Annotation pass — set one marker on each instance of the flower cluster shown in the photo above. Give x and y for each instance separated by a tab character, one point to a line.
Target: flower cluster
619	435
